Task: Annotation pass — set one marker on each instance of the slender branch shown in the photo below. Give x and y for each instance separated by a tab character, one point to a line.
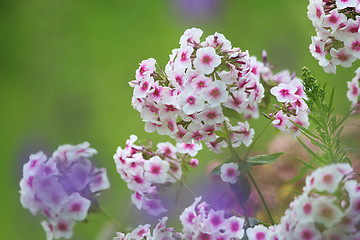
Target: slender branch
182	183
114	221
247	221
255	140
228	138
261	197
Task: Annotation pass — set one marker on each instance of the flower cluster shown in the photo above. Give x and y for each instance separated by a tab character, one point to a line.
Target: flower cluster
62	187
338	38
144	169
187	100
354	91
143	232
328	208
290	93
199	221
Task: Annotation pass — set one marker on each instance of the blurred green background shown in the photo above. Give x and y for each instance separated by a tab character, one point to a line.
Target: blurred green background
65	67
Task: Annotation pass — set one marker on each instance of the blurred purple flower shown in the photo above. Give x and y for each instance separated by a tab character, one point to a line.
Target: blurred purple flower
198	9
61	187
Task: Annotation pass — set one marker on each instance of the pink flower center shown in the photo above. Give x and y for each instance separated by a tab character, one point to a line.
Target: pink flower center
355	90
62	226
318	12
333	19
141	232
230	172
216	220
234	226
260	236
307	235
138	179
155	169
76	207
191	100
327	212
190	217
183	56
355	46
342	57
328	179
215	92
211	115
206	59
307	208
170	125
144	86
179	80
284	92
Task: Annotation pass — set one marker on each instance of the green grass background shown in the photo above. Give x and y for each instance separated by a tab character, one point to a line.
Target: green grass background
64	72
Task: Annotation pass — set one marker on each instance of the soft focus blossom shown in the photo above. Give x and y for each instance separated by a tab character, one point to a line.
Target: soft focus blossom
325	210
62	187
353	92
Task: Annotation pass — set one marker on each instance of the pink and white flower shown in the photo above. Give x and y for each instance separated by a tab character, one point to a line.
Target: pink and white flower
215	93
206	60
156	169
229	172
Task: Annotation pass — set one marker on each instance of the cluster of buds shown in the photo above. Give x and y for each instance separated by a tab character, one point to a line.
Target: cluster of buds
354	92
144	169
62	187
338	38
329	208
290	93
187	100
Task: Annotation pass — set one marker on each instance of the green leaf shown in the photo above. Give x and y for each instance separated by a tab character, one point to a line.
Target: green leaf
304	163
244	166
231	113
351	149
331	99
264	159
341	121
310	151
301	174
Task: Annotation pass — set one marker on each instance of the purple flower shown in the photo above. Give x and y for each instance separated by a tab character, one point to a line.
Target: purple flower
61	187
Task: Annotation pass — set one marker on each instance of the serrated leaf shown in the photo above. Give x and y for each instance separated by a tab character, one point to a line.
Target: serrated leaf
231	113
264	159
310	151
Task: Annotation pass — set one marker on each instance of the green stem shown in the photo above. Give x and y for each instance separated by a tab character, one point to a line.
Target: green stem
228	139
261	197
182	183
235	155
114	221
247	221
256	139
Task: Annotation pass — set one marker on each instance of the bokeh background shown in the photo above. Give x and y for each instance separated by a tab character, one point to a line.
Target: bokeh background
64	72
